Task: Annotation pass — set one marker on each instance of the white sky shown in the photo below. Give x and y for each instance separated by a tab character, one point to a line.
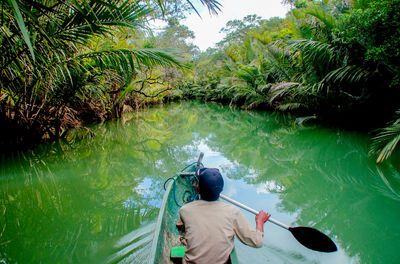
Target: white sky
206	29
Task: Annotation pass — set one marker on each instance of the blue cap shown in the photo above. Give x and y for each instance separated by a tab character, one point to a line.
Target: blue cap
211	183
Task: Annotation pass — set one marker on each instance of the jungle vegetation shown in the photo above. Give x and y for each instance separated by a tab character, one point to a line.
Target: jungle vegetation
65	64
335	62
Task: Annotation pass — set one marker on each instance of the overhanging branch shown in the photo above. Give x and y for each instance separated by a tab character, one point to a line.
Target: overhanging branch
151	96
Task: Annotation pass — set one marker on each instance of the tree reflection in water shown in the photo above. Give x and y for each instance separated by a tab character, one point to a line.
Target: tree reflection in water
96	199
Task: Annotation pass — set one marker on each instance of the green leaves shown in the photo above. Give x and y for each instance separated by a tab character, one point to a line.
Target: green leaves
22	27
48	69
125	61
347	74
385	141
81	21
335	60
212	5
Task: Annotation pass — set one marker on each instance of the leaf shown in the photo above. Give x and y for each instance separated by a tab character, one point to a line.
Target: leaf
386	141
21	25
148	57
280	89
349	74
212	5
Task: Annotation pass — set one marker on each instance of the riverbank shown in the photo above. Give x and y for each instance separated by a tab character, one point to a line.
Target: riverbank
331	63
17	138
26	133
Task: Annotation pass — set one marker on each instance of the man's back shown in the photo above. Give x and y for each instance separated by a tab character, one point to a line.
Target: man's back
210	228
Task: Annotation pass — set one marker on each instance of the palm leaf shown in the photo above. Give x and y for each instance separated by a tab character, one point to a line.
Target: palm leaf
304	119
22	27
349	74
280	60
315	52
81	21
213	6
322	14
281	89
130	58
386	141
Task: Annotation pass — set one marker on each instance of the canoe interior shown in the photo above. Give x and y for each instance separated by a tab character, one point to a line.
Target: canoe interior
167	235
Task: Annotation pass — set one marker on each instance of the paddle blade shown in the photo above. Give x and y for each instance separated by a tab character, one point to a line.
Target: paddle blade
313	239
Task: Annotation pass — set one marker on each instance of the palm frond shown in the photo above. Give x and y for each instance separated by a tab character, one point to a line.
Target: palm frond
304	119
316	52
348	74
280	62
386	141
21	24
280	89
128	59
248	74
213	6
322	14
83	20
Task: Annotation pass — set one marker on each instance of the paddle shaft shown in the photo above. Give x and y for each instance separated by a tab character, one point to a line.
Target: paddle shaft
251	210
198	165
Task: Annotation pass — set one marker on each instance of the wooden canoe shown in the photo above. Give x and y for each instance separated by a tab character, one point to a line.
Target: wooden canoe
179	190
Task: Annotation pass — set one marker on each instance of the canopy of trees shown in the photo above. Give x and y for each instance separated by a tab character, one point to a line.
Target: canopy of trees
66	64
337	62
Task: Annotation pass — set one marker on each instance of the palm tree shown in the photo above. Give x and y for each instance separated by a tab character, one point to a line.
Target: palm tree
386	140
212	5
46	65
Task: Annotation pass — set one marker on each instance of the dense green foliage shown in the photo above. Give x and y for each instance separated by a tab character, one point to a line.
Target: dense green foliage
66	63
51	77
334	61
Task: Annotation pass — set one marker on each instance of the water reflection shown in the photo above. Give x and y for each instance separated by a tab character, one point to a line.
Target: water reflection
95	200
72	200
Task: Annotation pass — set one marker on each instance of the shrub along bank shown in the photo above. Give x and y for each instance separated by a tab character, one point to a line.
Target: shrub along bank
337	62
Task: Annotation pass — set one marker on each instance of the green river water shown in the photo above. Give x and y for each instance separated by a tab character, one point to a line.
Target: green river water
95	200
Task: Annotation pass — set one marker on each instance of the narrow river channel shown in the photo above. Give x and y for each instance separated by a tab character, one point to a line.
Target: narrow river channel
95	200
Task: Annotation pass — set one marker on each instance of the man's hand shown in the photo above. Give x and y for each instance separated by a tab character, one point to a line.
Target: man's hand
261	218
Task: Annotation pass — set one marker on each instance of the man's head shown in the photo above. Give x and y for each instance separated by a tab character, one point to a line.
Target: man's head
211	183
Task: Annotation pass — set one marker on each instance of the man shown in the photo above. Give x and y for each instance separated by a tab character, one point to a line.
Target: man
211	225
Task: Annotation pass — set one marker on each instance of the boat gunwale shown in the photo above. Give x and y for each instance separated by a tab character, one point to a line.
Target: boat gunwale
159	222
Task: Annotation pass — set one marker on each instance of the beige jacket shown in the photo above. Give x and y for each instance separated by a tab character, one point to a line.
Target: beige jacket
210	228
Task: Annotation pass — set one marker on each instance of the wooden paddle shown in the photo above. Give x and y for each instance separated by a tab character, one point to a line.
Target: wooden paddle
307	236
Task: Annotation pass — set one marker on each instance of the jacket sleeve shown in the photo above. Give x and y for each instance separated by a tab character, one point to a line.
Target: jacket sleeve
246	233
